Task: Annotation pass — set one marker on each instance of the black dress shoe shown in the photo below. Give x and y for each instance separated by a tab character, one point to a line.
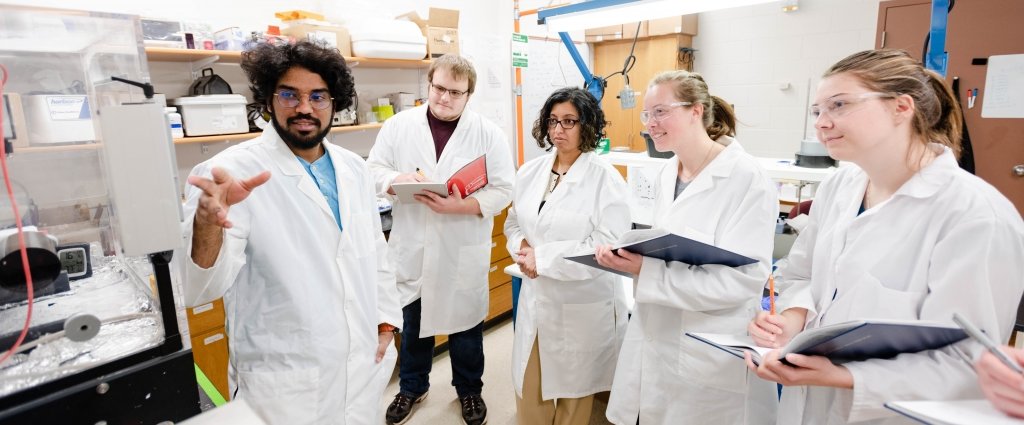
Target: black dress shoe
474	411
400	409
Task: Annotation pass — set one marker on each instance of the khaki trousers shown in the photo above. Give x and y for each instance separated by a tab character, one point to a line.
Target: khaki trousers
532	410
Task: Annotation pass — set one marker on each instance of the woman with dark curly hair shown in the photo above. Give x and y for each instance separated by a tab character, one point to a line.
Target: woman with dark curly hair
571	318
299	258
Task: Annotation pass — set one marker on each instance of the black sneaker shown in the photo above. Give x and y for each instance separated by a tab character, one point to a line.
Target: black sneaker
474	411
400	410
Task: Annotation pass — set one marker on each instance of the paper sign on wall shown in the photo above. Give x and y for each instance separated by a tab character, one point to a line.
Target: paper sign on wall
1004	87
520	54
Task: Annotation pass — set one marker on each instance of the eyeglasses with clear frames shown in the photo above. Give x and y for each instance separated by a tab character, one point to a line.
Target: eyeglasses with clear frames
291	99
440	91
660	112
843	104
566	123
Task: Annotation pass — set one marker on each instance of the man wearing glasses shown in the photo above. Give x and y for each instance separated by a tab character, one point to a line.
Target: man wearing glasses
285	227
440	245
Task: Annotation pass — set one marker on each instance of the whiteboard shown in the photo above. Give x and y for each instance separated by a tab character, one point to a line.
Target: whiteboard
550	68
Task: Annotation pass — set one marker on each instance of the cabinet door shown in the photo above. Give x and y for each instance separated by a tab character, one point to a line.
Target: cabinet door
653	55
210	351
976	29
903	24
979	29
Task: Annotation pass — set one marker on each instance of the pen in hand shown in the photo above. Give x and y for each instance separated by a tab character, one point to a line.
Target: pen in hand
980	336
771	294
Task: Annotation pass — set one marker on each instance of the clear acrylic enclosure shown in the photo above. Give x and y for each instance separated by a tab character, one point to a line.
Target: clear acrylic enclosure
97	306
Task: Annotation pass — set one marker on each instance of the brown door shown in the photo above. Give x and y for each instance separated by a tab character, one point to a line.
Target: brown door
976	29
653	55
979	29
903	24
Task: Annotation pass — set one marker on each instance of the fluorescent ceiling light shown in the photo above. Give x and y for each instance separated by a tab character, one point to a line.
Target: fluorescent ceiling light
599	13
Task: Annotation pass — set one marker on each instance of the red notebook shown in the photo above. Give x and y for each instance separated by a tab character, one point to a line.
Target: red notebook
470	178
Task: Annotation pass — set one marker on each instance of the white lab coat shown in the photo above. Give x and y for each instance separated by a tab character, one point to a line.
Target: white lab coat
302	298
663	375
443	259
577	313
945	242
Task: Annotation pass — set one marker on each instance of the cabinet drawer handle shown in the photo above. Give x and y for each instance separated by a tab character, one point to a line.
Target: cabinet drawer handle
213	338
202	309
494	268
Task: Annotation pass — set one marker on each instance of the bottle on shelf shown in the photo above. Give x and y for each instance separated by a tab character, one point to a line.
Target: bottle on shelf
174	118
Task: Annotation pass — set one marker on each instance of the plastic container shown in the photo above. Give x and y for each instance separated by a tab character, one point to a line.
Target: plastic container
213	114
174	118
388	40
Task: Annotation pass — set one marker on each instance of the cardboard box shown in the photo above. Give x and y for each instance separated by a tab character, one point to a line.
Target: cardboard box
599	34
441	29
334	36
686	24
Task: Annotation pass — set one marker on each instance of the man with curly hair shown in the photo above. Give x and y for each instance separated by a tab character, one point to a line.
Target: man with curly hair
285	228
441	246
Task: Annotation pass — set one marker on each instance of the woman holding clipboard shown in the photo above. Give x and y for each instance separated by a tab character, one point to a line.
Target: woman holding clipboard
713	192
905	234
571	318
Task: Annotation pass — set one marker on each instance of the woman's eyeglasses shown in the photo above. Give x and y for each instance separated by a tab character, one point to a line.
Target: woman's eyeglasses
840	105
660	112
567	123
291	99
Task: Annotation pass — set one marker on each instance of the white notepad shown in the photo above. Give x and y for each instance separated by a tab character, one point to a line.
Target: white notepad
957	412
405	191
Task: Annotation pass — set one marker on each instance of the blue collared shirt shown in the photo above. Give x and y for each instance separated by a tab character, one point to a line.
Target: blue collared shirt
322	172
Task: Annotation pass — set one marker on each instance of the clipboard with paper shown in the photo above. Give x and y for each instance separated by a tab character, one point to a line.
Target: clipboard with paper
469	179
657	243
848	341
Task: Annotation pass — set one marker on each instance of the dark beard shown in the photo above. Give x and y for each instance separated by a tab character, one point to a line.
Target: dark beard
299	142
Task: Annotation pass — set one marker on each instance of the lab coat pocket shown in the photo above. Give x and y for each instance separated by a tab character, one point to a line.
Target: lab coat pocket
704	365
471	273
870	298
282	397
362	233
588	327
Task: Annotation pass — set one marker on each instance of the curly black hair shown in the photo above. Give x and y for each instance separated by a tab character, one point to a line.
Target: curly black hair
591	118
266	63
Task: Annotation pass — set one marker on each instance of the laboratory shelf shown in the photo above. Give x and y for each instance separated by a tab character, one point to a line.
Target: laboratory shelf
246	136
167	54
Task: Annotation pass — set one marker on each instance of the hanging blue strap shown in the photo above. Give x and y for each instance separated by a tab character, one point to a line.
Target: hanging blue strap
936	56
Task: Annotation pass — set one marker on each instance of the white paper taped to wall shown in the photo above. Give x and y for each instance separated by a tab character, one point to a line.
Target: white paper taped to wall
1004	87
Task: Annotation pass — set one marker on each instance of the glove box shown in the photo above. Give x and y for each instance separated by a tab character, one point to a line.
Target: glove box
212	114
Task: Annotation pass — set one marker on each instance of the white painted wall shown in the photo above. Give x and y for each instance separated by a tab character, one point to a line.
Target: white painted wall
747	54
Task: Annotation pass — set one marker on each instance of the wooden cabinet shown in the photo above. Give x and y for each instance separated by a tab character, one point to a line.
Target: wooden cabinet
500	284
653	55
210	343
210	352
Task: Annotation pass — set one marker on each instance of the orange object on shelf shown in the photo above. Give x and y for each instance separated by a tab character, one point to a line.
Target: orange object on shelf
291	15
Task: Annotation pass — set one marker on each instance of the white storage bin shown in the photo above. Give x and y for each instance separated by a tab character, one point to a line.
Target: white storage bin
213	114
388	40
